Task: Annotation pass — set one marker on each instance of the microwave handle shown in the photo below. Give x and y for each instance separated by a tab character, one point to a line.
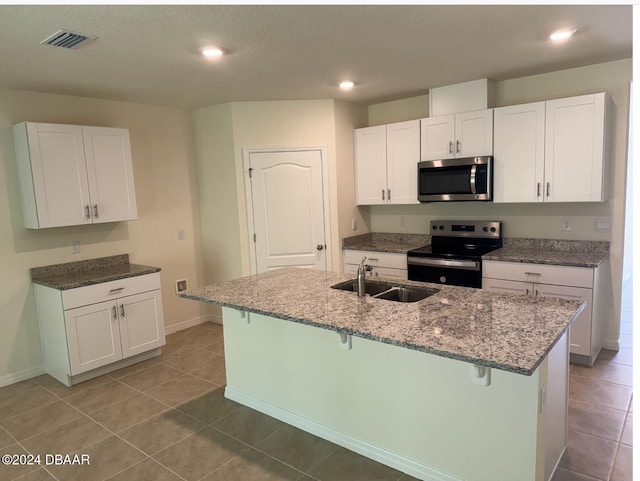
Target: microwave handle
472	179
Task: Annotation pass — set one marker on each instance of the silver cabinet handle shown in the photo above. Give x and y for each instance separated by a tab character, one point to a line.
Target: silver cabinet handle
458	144
548	189
95	210
115	313
122	310
117	290
532	274
87	212
382	194
388	194
450	147
527	291
538	190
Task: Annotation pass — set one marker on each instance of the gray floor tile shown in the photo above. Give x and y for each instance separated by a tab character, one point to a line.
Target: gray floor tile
600	392
12	471
146	470
106	458
24	400
200	454
209	407
606	371
121	415
627	431
589	455
161	431
296	448
151	377
562	474
38	475
180	390
192	361
60	390
38	420
12	389
248	425
623	465
345	465
214	371
596	420
66	438
254	466
100	396
5	438
623	356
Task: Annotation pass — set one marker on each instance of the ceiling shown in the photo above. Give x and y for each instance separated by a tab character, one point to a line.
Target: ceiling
150	53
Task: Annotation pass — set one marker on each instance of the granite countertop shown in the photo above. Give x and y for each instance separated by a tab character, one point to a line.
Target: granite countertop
548	251
505	331
71	275
386	242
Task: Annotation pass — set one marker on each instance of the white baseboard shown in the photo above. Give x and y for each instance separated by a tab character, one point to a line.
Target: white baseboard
15	377
179	326
396	461
613	345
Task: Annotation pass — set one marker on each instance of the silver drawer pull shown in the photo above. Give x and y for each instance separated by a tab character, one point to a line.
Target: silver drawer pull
115	314
122	310
95	210
117	290
532	274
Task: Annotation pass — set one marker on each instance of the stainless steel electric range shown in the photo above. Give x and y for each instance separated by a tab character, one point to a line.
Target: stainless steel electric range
454	256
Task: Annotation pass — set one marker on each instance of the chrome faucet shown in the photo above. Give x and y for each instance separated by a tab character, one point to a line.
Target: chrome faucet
360	277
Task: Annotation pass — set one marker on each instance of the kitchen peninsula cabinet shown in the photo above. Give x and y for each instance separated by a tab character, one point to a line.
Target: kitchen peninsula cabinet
553	151
74	175
386	163
566	282
467	134
86	331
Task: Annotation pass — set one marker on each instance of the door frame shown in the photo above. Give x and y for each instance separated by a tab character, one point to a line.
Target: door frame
246	153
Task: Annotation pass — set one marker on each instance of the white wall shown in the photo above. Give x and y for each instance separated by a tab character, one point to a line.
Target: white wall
223	131
535	220
163	164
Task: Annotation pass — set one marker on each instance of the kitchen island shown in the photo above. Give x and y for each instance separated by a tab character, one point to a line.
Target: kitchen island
463	385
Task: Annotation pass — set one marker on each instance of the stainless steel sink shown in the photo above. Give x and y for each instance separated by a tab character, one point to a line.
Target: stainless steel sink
389	291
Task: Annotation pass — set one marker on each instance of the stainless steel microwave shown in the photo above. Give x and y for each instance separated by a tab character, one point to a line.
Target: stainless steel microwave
469	178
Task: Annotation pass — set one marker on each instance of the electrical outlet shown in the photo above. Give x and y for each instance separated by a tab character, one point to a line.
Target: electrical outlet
182	285
75	247
354	224
180	234
566	224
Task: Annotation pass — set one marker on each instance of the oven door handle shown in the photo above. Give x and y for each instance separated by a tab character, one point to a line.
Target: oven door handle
454	264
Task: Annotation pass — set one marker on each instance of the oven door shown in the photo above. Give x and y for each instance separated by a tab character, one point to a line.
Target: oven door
456	272
455	179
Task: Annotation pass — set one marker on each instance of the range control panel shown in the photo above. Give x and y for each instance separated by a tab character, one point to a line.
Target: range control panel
456	228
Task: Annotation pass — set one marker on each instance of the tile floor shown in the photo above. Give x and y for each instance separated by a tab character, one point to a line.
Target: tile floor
166	419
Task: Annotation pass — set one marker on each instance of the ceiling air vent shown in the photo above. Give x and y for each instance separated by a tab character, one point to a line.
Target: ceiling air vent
66	39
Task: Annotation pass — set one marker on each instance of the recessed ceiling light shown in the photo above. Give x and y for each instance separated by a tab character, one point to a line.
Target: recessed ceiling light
212	51
562	34
346	85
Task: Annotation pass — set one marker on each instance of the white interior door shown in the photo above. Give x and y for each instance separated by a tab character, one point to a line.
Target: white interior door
287	209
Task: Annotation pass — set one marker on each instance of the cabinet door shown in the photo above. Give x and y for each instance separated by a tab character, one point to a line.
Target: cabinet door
474	133
580	330
574	149
110	174
437	137
141	322
511	287
403	154
518	150
93	336
371	165
58	173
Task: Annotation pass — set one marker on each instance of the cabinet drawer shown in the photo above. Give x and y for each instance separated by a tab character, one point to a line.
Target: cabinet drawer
539	273
82	296
384	259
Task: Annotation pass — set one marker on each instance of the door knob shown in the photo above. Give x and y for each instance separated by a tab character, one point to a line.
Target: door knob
319	247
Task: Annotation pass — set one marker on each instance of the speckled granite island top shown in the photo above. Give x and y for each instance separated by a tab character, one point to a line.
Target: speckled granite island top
549	251
71	275
509	332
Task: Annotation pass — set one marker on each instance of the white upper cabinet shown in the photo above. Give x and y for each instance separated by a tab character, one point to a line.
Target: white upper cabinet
551	151
387	163
73	175
518	156
467	134
574	149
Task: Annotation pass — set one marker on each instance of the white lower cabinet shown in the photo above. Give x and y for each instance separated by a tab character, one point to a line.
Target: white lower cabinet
383	264
554	281
106	326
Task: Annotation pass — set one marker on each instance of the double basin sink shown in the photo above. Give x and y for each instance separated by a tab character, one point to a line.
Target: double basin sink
388	290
